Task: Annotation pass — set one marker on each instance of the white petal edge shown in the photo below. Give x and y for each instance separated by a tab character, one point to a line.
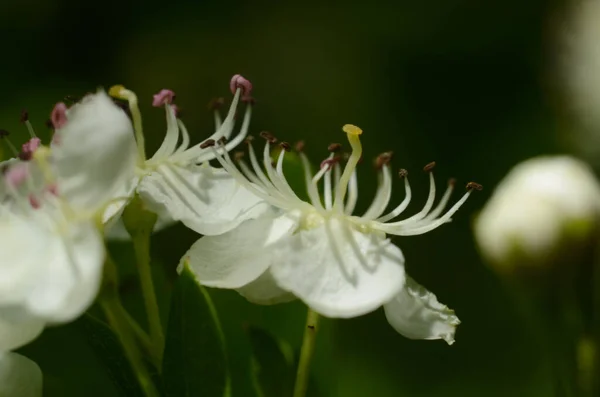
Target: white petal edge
339	283
205	199
19	376
236	258
416	313
18	327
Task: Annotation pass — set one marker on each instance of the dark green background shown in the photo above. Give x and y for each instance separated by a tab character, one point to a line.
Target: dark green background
466	83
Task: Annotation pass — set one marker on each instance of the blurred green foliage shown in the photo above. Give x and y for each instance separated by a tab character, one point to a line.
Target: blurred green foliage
461	82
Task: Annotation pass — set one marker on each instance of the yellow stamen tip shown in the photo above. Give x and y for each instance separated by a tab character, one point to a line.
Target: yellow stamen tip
351	129
116	91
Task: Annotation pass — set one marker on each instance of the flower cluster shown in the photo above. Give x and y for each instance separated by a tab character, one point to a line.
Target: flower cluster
59	202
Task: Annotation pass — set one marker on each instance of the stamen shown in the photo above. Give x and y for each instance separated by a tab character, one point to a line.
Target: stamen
383	159
185	138
59	115
4	136
168	146
403	174
278	179
311	189
28	148
352	133
25	120
285	146
215	105
400	229
164	97
384	191
238	81
268	136
429	167
430	198
474	186
299	146
443	202
239	156
334	147
207	143
118	91
352	194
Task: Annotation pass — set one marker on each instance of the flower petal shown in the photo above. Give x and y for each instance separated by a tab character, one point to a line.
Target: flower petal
238	257
68	274
265	291
416	313
23	243
17	327
96	153
205	199
19	376
339	271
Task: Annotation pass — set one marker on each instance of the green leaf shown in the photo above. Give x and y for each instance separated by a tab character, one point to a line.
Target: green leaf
195	362
273	364
108	349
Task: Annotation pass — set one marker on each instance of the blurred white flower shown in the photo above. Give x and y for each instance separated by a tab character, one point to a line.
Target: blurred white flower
339	264
52	249
581	64
19	376
177	182
540	207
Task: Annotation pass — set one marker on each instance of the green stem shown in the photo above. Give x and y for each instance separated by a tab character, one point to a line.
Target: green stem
112	309
141	244
595	345
306	353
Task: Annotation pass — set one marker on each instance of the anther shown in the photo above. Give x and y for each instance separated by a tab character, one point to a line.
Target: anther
330	162
4	133
299	146
59	115
285	146
268	136
238	81
334	147
249	139
474	186
207	143
452	182
24	116
216	103
402	173
28	148
238	156
429	167
249	100
383	159
222	140
164	97
71	99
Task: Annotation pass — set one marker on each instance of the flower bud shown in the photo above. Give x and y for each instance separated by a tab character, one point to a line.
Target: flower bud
543	210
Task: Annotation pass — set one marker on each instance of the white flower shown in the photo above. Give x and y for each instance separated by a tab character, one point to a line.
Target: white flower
19	376
541	206
580	62
339	264
178	183
52	250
